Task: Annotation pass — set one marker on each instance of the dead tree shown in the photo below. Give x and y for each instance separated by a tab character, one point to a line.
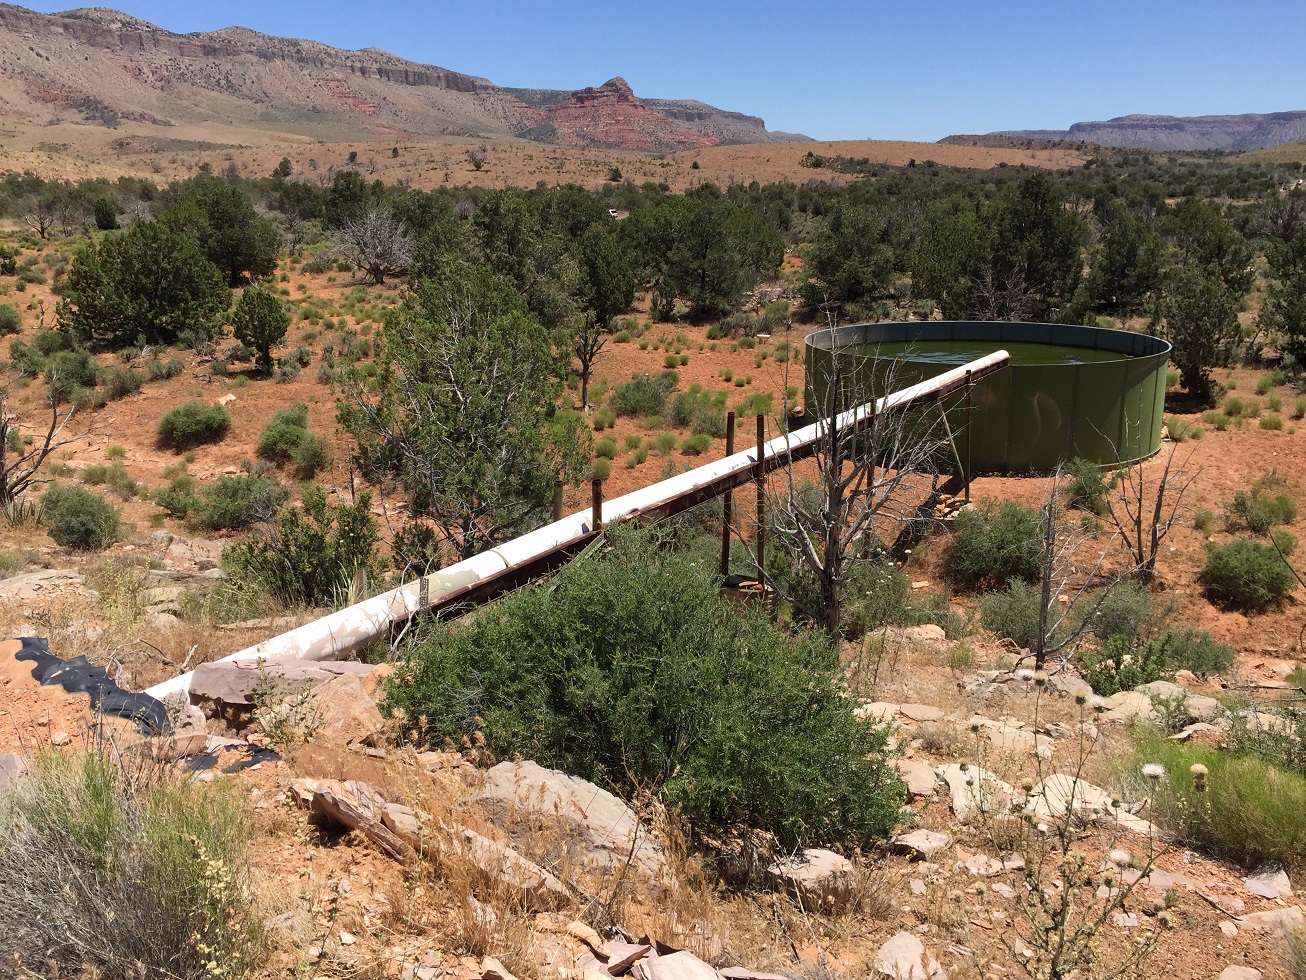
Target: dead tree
376	244
20	460
1143	514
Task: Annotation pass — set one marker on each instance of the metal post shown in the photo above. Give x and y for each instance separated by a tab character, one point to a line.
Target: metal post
760	479
596	505
970	422
727	501
558	488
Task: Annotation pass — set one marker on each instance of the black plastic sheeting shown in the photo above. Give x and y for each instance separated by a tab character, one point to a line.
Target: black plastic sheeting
80	676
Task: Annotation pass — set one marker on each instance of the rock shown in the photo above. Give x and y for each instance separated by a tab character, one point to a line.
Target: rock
162	621
171	747
347	938
1008	738
403	821
879	710
1201	728
1240	973
377	676
926	633
1055	796
622	956
11	767
743	973
1228	929
922	844
974	788
903	958
60	738
538	890
234	682
818	878
979	865
41	584
599	830
1283	921
1269	884
1167	690
1128	705
921	712
348	715
919	777
683	965
1204	710
492	969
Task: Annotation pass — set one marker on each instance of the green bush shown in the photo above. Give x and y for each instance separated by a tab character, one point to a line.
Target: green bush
158	370
1246	575
1250	811
696	445
604	418
644	394
1085	487
312	554
873	593
11	321
992	544
1194	649
78	519
628	670
178	498
1272	423
193	424
1217	420
232	503
119	382
606	448
68	372
664	443
1122	665
286	440
1124	609
84	838
600	469
1013	612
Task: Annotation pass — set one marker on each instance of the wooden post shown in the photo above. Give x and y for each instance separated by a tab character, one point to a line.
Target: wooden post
596	505
760	480
727	501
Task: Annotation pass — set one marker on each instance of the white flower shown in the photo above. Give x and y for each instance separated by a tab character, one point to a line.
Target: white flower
1119	857
1024	674
1153	771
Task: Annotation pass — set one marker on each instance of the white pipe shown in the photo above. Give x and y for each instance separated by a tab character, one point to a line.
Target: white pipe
351	627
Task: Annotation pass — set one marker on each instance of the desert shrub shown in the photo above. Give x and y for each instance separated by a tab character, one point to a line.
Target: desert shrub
700	412
178	498
1272	423
639	456
1246	575
1299	408
115	475
628	670
234	502
1204	520
633	441
600	468
286	440
159	370
644	394
696	445
993	544
604	418
193	424
1124	609
606	448
1013	612
312	553
78	519
119	382
873	593
135	874
1250	811
664	443
1122	665
11	321
69	371
1085	486
1217	420
1195	649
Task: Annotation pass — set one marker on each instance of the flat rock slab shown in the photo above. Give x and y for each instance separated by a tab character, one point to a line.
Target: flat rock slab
1269	884
922	844
524	798
11	767
1240	973
678	966
921	712
236	682
975	789
1129	705
1283	921
879	710
819	878
1060	793
903	958
919	777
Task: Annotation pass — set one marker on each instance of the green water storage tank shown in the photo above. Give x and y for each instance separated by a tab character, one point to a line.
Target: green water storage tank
1070	391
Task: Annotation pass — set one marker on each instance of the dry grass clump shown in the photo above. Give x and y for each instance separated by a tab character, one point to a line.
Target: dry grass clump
117	869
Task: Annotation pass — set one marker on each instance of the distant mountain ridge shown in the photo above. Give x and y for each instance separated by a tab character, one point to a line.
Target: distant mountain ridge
1237	133
106	66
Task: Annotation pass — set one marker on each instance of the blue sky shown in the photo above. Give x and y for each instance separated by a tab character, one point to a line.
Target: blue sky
909	70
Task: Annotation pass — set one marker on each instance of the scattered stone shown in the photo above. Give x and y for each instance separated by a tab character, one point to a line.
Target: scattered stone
1269	884
60	738
1200	728
347	939
903	958
540	891
819	878
1125	920
41	584
919	777
1003	889
1060	793
683	965
1010	738
402	820
1228	928
920	844
917	886
974	788
579	930
11	767
1284	921
492	969
1129	705
601	832
622	956
743	973
925	633
921	712
1240	973
348	715
879	710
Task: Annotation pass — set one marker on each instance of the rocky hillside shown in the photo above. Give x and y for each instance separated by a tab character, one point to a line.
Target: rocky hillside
1249	131
102	67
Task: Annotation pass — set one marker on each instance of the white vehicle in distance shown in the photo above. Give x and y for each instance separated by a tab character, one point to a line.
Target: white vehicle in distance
612	212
